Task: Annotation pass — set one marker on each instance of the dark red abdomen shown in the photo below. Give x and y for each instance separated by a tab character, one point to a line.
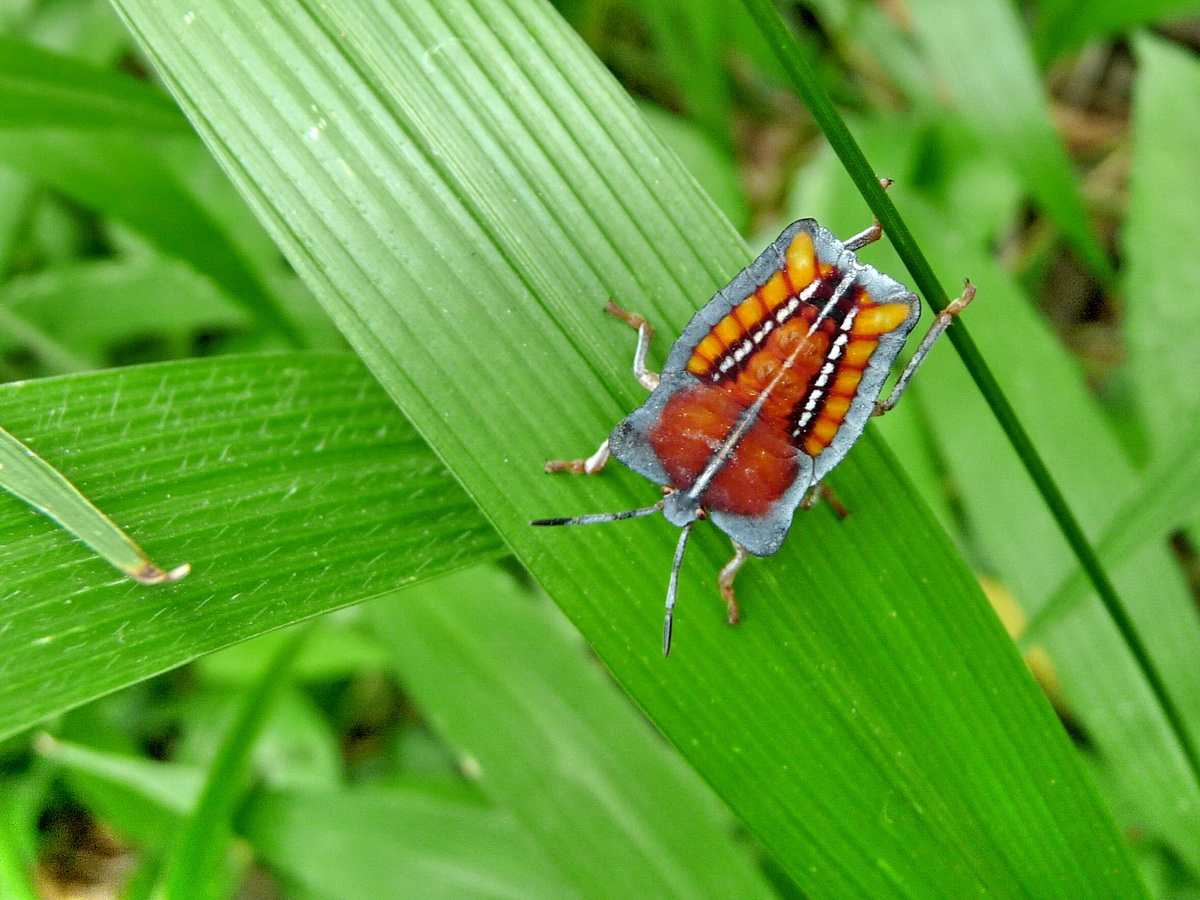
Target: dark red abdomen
695	422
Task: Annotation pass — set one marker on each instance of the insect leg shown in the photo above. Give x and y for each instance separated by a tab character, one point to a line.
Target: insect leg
820	490
812	496
725	580
646	378
872	234
589	466
940	324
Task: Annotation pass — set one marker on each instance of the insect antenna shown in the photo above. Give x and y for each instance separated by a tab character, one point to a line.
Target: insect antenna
672	586
596	518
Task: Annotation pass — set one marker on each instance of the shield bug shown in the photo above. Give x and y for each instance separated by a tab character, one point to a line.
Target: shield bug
764	392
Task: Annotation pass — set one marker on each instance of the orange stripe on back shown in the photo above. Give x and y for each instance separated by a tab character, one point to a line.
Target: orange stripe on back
729	330
846	382
750	311
872	321
801	259
836	406
858	351
775	291
821	433
710	348
799	269
825	428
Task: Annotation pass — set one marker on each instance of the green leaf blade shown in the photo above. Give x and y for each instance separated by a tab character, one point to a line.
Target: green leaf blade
554	743
40	89
289	482
1162	323
1064	25
402	843
467	210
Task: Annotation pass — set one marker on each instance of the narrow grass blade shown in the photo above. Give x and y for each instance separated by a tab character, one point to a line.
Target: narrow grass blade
26	475
194	867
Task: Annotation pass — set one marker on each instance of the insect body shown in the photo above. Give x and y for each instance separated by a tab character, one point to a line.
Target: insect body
763	393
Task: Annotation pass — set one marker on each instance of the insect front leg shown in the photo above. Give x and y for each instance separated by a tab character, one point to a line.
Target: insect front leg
725	580
940	324
589	466
814	494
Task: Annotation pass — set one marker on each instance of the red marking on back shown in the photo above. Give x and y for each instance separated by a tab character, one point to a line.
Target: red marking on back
692	426
695	422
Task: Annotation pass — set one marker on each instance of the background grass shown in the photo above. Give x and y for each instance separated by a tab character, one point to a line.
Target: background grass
450	192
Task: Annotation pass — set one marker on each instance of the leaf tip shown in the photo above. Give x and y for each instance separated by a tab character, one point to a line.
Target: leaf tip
152	574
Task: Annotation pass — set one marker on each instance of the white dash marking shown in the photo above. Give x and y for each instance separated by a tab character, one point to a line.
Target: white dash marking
826	371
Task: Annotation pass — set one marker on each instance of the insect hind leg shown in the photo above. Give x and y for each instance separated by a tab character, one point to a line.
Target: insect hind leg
940	324
872	234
